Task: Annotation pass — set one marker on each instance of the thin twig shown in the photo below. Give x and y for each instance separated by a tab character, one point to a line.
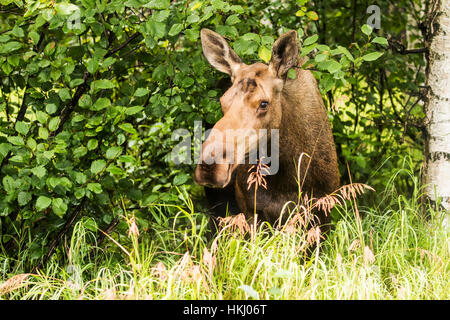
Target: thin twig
61	233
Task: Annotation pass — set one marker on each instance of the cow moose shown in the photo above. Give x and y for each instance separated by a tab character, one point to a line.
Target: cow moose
264	97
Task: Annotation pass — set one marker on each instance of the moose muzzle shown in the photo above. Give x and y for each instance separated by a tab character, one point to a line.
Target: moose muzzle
215	167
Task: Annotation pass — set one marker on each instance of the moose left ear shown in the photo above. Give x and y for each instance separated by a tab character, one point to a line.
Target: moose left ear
284	53
218	52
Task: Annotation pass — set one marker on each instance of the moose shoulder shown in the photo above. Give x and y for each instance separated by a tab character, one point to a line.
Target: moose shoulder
263	97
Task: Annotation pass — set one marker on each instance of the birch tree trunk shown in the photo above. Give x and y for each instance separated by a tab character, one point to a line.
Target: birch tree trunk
437	108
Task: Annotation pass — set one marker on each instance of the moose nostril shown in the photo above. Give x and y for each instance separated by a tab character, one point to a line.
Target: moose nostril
208	160
206	167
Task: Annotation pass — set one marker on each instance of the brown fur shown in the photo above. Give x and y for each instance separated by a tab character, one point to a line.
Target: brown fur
295	108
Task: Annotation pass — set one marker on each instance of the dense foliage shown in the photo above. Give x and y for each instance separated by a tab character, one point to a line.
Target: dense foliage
394	253
91	92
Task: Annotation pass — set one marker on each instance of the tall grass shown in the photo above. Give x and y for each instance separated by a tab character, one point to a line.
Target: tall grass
394	251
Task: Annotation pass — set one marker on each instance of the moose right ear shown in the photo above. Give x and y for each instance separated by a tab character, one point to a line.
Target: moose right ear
284	53
218	52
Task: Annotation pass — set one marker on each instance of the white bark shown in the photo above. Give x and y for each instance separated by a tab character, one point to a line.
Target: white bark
437	144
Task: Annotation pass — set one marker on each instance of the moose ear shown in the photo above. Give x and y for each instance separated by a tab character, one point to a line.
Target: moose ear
218	52
284	53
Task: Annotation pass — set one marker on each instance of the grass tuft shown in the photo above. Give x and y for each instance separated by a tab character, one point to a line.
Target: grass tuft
393	251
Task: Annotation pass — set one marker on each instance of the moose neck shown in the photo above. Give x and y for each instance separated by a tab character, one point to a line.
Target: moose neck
304	126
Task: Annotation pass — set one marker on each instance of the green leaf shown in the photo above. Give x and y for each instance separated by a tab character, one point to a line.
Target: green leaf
320	57
8	184
128	127
43	133
7	68
113	152
85	101
292	74
361	161
157	4
133	110
156	29
162	15
53	123
312	15
59	207
80	178
4	149
308	49
265	54
42	203
22	127
246	47
14	60
90	224
17	31
97	166
23	198
65	8
114	169
41	116
79	193
175	29
95	187
180	179
64	94
129	159
372	56
333	66
16	140
101	84
219	4
193	18
34	36
232	20
188	81
51	108
140	92
92	65
346	53
366	29
50	48
75	82
79	152
101	103
251	37
10	47
39	171
92	144
380	40
310	40
31	143
327	82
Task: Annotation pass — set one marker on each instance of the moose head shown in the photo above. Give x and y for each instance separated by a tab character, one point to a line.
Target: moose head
252	103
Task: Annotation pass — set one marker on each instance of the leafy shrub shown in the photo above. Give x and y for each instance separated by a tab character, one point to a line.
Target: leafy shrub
92	91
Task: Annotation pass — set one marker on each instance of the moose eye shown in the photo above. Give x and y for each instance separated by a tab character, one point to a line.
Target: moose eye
264	105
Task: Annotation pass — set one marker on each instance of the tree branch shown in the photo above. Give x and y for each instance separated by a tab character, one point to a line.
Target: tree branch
398	47
84	87
131	38
61	233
